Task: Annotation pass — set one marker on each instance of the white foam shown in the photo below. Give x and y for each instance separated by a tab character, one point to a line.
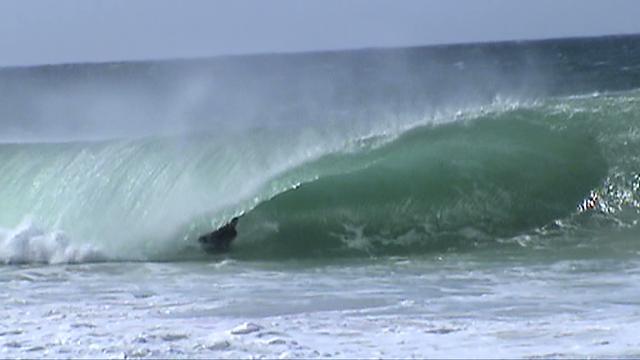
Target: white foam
29	244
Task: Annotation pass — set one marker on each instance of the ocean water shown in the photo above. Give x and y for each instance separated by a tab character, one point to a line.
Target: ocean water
476	200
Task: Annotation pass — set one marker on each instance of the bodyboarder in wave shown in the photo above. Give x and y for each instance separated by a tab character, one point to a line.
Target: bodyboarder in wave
219	241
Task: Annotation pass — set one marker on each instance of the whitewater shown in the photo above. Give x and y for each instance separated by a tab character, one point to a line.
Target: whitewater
415	202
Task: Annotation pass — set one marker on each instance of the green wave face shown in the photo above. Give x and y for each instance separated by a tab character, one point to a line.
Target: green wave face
433	188
469	183
136	199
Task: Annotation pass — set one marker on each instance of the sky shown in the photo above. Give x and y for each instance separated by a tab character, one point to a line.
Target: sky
71	31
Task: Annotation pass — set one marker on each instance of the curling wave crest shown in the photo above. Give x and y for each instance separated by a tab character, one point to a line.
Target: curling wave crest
452	185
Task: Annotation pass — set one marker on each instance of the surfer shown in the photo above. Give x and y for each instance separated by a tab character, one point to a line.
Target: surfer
219	241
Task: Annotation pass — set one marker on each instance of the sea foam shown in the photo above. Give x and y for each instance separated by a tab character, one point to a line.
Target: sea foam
27	243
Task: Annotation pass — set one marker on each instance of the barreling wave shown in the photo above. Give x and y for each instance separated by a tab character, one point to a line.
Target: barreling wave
458	185
433	188
354	153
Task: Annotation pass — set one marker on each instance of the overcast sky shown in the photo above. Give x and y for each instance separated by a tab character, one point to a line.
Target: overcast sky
48	31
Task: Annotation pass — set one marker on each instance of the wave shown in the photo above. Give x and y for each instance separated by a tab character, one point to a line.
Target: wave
432	188
354	153
473	181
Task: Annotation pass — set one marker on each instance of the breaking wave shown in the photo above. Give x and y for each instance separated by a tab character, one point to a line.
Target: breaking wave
322	169
493	175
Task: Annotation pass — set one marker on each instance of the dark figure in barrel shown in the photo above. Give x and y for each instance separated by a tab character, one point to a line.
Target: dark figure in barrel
220	240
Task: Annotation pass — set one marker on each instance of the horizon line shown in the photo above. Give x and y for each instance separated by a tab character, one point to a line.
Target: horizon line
169	59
